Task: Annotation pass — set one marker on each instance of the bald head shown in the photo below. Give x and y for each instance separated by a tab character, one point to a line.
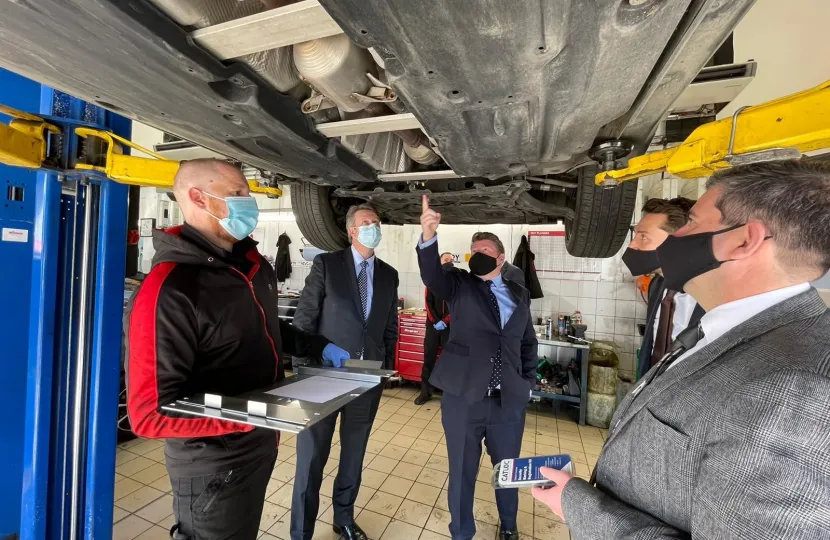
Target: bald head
206	174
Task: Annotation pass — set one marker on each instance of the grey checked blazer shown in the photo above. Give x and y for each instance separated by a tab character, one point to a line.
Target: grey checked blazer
731	443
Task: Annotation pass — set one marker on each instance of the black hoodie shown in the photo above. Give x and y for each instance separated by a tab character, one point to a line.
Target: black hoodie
205	320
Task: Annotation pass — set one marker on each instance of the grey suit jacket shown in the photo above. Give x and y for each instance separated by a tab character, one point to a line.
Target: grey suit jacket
731	443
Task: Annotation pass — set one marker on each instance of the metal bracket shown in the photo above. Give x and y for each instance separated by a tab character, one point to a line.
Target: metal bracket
317	102
25	142
772	154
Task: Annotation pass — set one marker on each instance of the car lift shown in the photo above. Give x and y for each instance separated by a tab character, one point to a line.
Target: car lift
780	129
63	290
35	142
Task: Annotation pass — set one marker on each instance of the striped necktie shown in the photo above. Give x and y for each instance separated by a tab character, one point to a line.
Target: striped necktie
363	290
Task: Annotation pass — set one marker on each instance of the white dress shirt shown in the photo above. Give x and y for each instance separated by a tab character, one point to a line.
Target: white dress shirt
684	306
727	316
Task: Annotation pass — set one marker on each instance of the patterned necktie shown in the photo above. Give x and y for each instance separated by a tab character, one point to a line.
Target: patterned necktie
495	376
362	286
363	290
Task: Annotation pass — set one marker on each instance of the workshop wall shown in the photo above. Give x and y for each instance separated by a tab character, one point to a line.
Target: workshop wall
786	39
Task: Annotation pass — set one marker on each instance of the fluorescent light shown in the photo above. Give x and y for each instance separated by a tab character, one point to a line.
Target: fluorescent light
273	216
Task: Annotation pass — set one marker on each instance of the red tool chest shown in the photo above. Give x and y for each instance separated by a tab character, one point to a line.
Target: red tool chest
409	354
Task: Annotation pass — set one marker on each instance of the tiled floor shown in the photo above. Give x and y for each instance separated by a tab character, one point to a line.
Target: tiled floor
403	495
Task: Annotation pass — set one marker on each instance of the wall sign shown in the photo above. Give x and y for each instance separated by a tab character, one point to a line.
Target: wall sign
146	226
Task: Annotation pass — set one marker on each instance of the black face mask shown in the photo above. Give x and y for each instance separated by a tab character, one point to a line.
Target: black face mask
683	258
640	261
448	266
481	264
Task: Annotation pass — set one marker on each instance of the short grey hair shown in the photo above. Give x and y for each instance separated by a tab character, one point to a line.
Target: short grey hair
354	210
479	236
791	198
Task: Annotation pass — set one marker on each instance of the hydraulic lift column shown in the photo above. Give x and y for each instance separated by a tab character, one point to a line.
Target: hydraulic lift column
62	273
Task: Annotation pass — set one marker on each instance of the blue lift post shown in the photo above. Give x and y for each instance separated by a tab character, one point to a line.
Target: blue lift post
61	332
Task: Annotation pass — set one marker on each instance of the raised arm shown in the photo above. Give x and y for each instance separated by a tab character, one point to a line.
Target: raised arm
439	281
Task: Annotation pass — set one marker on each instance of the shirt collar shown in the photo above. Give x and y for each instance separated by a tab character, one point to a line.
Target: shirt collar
497	281
727	316
358	258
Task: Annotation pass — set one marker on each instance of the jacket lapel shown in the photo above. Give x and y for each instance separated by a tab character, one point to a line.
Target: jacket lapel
378	293
802	306
485	289
351	277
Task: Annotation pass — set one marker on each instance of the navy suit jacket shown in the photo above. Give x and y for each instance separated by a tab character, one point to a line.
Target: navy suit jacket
476	336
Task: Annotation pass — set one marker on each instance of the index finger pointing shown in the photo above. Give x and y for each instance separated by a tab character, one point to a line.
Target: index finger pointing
424	203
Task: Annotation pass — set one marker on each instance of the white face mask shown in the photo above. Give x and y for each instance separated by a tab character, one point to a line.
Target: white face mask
369	235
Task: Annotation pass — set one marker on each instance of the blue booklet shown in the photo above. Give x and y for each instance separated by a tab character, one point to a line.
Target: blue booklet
524	472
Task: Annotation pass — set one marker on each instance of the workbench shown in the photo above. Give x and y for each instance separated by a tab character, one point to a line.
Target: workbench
582	399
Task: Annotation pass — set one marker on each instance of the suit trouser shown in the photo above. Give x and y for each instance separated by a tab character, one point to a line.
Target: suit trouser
464	429
313	446
432	340
222	505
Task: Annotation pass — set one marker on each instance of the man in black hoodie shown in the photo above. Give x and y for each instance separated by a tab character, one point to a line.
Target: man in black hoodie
205	319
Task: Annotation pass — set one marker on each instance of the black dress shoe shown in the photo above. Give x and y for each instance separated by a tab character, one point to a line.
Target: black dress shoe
423	398
353	532
508	534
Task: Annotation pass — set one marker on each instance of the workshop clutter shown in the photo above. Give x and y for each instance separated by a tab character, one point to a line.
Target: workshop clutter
603	367
555	378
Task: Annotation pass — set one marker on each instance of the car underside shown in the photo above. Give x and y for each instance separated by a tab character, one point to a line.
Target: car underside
502	111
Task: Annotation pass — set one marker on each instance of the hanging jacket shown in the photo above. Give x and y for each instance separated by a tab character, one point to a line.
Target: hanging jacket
205	320
524	261
283	266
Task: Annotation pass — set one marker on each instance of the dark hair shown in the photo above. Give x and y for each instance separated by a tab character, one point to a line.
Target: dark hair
791	198
676	211
477	237
446	253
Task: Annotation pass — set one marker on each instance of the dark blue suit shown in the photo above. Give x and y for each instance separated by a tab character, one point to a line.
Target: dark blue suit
463	373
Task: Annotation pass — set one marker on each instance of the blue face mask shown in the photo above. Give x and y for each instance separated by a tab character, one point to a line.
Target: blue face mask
243	215
369	235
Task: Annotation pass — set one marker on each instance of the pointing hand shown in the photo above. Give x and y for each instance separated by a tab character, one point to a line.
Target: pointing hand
429	220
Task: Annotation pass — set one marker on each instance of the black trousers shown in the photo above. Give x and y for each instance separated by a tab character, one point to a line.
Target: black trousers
313	446
432	340
226	505
464	429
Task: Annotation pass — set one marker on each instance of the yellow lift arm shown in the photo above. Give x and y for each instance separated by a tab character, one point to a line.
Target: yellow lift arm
779	129
24	143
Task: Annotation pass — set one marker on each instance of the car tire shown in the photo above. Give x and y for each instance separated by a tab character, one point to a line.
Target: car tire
318	218
602	216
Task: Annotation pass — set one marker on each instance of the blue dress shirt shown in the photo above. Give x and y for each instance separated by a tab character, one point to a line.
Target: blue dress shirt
358	260
504	298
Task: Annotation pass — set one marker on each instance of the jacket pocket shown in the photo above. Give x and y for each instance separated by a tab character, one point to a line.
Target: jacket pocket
457	349
670	471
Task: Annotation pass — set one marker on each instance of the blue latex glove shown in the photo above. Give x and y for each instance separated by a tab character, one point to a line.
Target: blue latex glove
440	325
334	355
